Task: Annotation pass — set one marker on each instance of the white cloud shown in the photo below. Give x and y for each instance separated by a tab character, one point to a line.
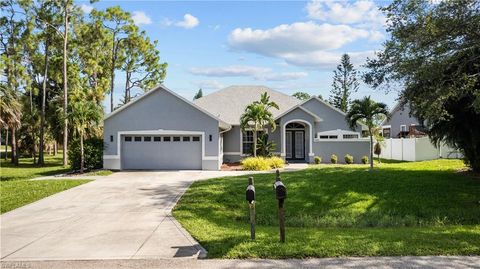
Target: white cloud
229	71
139	18
209	84
257	73
303	43
299	36
361	12
86	8
283	76
189	21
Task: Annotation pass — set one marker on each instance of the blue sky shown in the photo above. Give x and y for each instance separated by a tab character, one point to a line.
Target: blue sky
286	45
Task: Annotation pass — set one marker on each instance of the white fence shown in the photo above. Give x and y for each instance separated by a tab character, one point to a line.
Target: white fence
416	149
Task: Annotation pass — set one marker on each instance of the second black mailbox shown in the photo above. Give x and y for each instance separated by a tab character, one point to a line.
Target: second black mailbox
280	190
250	193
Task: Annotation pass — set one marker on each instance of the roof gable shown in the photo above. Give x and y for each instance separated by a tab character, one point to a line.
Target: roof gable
229	103
222	124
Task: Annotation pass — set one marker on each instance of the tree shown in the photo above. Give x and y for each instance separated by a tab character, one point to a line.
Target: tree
10	116
83	114
199	94
366	110
378	150
141	63
257	116
120	24
433	53
301	96
345	83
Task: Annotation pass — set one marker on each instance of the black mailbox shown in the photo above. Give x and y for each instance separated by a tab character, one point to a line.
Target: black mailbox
280	190
250	193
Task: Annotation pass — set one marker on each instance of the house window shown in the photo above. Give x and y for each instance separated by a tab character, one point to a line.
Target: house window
324	137
386	133
166	138
332	136
247	141
176	138
196	138
403	128
128	139
138	138
186	139
147	138
157	138
210	138
350	136
111	138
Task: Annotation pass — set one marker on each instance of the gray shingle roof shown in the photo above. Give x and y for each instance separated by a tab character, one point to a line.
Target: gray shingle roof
229	103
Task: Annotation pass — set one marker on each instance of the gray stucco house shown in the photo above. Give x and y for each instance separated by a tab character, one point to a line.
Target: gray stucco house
402	124
162	130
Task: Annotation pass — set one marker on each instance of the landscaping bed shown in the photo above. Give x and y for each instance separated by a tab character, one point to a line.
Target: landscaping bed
421	208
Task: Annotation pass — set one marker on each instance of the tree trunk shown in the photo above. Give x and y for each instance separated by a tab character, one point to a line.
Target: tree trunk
65	88
41	160
371	150
112	70
6	144
254	143
55	148
12	147
81	153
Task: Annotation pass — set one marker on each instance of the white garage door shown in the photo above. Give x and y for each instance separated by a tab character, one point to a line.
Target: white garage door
162	152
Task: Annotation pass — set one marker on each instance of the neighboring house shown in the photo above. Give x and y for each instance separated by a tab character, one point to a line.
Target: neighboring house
161	130
402	124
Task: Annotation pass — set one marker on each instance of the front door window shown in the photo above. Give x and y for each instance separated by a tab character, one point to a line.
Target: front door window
295	145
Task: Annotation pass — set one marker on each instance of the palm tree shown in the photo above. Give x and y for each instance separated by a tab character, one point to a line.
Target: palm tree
83	115
10	116
256	116
366	110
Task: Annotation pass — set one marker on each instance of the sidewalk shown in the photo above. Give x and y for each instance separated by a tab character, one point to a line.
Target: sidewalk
443	262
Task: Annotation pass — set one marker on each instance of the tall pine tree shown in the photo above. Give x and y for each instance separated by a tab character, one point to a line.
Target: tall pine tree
345	83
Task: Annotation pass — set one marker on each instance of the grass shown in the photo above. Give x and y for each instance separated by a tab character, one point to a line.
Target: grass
16	188
28	170
17	193
402	208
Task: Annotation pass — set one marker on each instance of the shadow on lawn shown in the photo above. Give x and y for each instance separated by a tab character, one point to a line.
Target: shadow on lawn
336	197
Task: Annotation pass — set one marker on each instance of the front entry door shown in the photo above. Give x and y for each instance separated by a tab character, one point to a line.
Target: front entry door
295	145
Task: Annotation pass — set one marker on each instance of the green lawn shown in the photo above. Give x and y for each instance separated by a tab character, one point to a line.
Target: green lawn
422	208
16	188
28	170
17	193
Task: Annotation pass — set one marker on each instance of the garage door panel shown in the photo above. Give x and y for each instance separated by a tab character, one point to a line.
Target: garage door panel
161	155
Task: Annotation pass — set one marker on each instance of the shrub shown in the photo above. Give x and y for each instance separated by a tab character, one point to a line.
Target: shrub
317	159
365	159
348	159
262	163
93	150
333	158
276	162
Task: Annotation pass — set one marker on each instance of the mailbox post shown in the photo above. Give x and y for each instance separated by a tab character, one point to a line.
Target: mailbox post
281	195
250	195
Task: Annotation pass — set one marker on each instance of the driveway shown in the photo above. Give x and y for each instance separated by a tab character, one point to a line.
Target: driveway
126	215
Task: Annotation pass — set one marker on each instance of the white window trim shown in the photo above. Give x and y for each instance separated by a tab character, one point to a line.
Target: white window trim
241	140
403	125
284	138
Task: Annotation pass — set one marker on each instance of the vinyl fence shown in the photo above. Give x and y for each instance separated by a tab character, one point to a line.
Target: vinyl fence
416	149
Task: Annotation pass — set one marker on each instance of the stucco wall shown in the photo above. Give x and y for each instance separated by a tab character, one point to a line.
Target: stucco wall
161	110
400	117
356	148
331	119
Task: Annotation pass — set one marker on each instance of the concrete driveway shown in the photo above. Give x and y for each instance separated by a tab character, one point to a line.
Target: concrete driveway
123	216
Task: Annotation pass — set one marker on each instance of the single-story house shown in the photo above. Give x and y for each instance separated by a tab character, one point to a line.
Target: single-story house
162	130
